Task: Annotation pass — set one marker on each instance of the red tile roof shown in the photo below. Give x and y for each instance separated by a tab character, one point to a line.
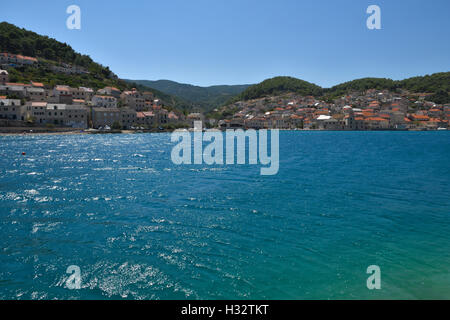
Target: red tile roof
17	84
375	119
37	84
420	117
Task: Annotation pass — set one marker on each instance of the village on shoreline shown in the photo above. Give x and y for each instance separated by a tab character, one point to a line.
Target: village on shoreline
358	111
36	108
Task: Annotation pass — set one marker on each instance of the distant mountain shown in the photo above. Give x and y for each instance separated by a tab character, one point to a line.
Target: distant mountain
204	98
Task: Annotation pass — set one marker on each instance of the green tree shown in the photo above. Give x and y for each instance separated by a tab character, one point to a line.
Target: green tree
116	126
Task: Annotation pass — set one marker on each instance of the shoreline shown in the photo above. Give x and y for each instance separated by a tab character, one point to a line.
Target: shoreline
6	134
84	132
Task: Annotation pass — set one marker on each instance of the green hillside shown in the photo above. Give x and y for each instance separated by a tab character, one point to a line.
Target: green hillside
438	84
204	98
361	85
51	52
278	85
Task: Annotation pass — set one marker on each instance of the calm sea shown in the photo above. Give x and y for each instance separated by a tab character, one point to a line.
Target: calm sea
140	227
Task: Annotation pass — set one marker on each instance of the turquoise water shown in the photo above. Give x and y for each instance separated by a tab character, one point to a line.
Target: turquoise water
140	227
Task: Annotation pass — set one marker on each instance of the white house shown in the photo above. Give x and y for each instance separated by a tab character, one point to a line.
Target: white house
104	101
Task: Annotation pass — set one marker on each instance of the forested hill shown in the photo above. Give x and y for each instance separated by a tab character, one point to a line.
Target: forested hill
50	52
21	41
278	85
437	84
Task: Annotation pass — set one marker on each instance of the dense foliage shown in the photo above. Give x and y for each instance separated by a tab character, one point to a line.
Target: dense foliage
437	84
277	86
361	85
43	74
21	41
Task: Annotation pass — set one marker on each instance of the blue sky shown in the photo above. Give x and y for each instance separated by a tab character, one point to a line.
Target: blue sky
208	42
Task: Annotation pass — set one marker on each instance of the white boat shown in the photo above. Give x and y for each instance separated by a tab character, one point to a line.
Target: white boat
440	129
